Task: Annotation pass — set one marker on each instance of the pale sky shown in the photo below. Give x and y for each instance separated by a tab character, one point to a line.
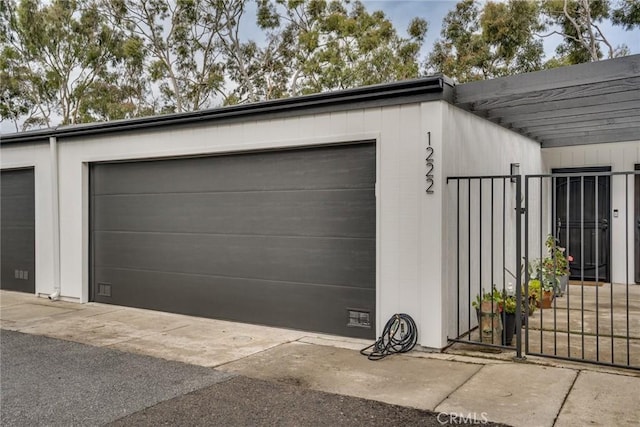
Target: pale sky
401	12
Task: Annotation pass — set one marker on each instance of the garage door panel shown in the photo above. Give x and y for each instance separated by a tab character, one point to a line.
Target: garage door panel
346	166
315	307
341	213
283	238
308	260
17	219
13	210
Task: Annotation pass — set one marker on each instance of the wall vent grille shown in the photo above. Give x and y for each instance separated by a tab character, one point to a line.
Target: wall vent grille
104	289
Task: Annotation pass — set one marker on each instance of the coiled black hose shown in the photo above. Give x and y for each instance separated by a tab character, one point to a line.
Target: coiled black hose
399	335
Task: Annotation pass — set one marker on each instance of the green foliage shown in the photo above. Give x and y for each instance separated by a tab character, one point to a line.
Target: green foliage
73	61
535	287
494	296
486	42
554	265
580	23
510	304
577	20
627	14
54	58
321	45
177	45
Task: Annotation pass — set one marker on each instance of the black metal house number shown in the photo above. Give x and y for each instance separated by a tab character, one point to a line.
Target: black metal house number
429	162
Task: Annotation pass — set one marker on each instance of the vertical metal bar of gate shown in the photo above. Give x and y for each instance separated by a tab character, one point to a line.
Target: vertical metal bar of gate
567	249
582	258
626	266
526	265
518	269
597	270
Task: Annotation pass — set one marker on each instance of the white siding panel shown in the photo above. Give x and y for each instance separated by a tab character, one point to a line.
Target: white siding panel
37	156
390	203
474	146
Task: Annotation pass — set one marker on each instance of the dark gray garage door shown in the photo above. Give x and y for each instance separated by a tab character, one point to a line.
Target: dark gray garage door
282	238
17	216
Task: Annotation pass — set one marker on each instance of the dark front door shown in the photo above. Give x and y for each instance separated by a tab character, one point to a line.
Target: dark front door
637	223
582	206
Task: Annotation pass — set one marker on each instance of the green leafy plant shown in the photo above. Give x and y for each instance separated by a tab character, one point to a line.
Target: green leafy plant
556	261
510	305
534	290
494	296
552	267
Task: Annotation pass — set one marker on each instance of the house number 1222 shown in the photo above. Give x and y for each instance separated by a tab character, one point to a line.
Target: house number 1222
429	162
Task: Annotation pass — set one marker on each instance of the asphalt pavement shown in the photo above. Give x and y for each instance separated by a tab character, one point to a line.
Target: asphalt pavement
52	382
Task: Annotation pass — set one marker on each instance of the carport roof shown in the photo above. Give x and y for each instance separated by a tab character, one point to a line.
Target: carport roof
596	102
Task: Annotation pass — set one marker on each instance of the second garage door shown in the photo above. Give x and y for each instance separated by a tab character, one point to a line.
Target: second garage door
17	230
282	238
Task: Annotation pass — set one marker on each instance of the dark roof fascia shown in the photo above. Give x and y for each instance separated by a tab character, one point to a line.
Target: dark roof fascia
556	78
429	88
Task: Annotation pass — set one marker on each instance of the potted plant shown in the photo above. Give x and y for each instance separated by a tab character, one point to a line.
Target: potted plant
509	318
489	307
556	264
541	292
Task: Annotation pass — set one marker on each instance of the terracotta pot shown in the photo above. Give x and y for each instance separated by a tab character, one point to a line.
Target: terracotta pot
547	299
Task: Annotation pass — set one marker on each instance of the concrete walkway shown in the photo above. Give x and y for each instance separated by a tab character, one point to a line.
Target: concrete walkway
536	393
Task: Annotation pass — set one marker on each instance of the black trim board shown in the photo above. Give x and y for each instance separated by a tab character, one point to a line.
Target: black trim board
586	169
403	92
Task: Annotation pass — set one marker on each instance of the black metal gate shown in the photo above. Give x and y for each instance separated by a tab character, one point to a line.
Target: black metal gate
568	241
578	246
487	245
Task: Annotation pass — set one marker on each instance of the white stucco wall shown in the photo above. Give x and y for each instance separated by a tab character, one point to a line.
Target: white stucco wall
621	157
476	147
408	221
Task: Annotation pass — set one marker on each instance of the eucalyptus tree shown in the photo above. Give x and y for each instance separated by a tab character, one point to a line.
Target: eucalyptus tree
317	45
180	39
52	56
480	42
580	23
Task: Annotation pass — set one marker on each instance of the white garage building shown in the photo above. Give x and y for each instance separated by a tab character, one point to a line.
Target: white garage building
327	212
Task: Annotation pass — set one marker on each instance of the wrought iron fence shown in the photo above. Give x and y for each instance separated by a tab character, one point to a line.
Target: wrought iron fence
520	245
593	311
485	245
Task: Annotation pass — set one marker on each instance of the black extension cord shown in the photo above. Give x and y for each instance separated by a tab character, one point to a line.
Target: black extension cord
399	335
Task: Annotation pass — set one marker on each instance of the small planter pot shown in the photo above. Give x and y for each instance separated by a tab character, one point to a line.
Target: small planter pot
509	322
490	323
562	285
546	301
